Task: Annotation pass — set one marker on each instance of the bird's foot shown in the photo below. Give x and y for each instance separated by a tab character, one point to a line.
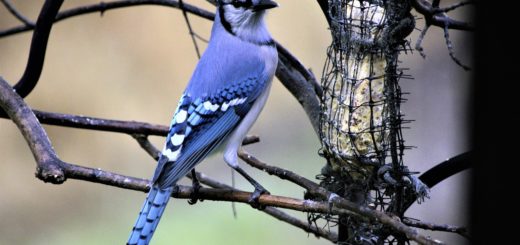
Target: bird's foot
194	196
254	199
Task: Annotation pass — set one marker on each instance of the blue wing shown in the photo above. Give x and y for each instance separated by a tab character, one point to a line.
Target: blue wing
201	124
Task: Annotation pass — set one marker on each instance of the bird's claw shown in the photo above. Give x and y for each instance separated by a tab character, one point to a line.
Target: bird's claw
255	197
195	194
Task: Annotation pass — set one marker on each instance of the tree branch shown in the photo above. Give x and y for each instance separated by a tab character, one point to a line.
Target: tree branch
38	48
100	124
446	169
436	227
49	166
285	174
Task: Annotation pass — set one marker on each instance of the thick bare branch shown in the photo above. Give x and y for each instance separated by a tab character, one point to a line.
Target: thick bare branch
451	51
49	166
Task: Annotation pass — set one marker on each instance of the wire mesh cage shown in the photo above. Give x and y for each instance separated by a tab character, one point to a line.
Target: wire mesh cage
361	122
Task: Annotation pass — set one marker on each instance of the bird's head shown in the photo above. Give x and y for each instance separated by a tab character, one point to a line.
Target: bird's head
243	17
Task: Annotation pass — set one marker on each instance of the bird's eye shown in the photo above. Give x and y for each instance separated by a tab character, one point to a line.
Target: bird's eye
243	4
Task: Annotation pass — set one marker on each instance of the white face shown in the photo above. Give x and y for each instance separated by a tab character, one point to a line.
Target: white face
244	19
240	13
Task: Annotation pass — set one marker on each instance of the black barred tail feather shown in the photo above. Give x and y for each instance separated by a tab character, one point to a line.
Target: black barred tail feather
149	216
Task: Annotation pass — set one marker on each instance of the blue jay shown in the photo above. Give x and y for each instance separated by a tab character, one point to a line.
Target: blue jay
224	97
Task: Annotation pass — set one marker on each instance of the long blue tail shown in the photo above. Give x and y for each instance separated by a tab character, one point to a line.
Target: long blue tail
149	216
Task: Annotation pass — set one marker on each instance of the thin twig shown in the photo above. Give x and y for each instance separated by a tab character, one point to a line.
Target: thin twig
105	6
201	38
451	51
453	6
16	13
147	146
284	174
463	231
49	166
418	44
100	124
192	33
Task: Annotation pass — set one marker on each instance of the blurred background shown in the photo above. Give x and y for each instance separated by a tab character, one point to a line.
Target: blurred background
133	63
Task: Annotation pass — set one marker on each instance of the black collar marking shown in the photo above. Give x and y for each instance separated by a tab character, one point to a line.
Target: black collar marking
229	29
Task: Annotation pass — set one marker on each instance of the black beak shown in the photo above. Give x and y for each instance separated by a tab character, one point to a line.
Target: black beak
265	4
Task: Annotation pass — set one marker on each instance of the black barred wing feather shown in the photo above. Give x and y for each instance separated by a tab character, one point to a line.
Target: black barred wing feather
200	125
